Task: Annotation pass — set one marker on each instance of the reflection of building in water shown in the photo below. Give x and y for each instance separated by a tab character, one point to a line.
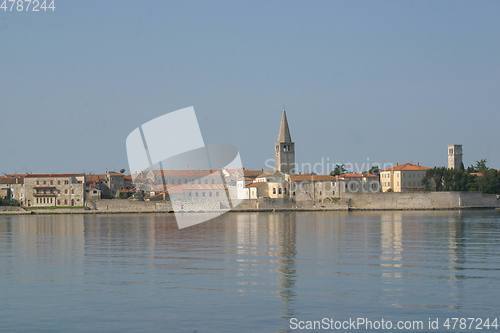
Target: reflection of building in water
456	257
282	245
392	244
246	250
44	244
264	242
62	236
136	235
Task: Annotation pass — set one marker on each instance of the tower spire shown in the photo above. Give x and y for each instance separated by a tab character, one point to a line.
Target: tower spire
284	133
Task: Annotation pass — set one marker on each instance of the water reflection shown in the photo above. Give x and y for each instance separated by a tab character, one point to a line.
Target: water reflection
252	270
391	239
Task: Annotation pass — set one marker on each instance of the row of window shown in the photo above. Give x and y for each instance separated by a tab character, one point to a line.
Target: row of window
44	182
51	201
279	190
410	184
53	192
174	181
203	194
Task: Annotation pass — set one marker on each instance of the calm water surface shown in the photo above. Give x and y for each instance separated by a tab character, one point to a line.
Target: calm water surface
245	272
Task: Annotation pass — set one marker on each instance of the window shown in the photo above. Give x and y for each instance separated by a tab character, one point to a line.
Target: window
279	190
58	182
51	182
72	191
38	182
274	190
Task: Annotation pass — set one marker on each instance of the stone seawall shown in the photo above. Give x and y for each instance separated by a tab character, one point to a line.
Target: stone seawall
350	201
280	204
353	201
421	200
124	205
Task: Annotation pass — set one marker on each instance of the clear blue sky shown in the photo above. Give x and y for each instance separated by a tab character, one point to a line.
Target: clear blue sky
385	80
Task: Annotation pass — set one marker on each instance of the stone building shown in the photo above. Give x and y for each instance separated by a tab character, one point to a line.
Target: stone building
455	157
357	183
275	185
12	187
245	187
54	190
403	178
312	187
284	148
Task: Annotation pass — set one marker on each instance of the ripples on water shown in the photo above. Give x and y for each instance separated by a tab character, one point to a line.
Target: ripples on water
244	272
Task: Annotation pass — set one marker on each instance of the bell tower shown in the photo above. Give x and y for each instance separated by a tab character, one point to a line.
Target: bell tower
455	157
285	148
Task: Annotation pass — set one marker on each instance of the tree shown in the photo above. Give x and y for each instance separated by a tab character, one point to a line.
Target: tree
478	177
374	170
339	170
480	166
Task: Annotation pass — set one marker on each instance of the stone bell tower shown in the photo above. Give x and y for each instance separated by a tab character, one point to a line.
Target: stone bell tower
455	157
285	148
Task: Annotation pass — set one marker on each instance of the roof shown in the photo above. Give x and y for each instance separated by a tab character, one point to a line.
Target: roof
284	133
249	173
407	167
9	180
357	175
52	175
194	187
268	174
311	177
95	178
181	173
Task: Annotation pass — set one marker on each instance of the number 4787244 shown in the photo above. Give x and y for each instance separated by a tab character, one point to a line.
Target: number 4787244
23	6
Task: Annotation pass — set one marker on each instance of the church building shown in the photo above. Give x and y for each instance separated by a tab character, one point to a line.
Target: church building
285	148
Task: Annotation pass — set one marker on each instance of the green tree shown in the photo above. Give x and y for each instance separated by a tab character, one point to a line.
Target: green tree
478	177
339	170
374	170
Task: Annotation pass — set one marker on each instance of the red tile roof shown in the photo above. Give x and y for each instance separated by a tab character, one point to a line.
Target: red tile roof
311	177
9	180
52	175
407	167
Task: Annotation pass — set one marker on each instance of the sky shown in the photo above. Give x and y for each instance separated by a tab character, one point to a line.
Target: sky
379	81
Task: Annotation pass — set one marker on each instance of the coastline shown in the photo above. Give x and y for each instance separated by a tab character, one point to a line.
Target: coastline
247	210
423	201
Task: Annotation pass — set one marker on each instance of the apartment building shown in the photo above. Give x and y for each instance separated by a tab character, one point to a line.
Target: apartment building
403	178
54	190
